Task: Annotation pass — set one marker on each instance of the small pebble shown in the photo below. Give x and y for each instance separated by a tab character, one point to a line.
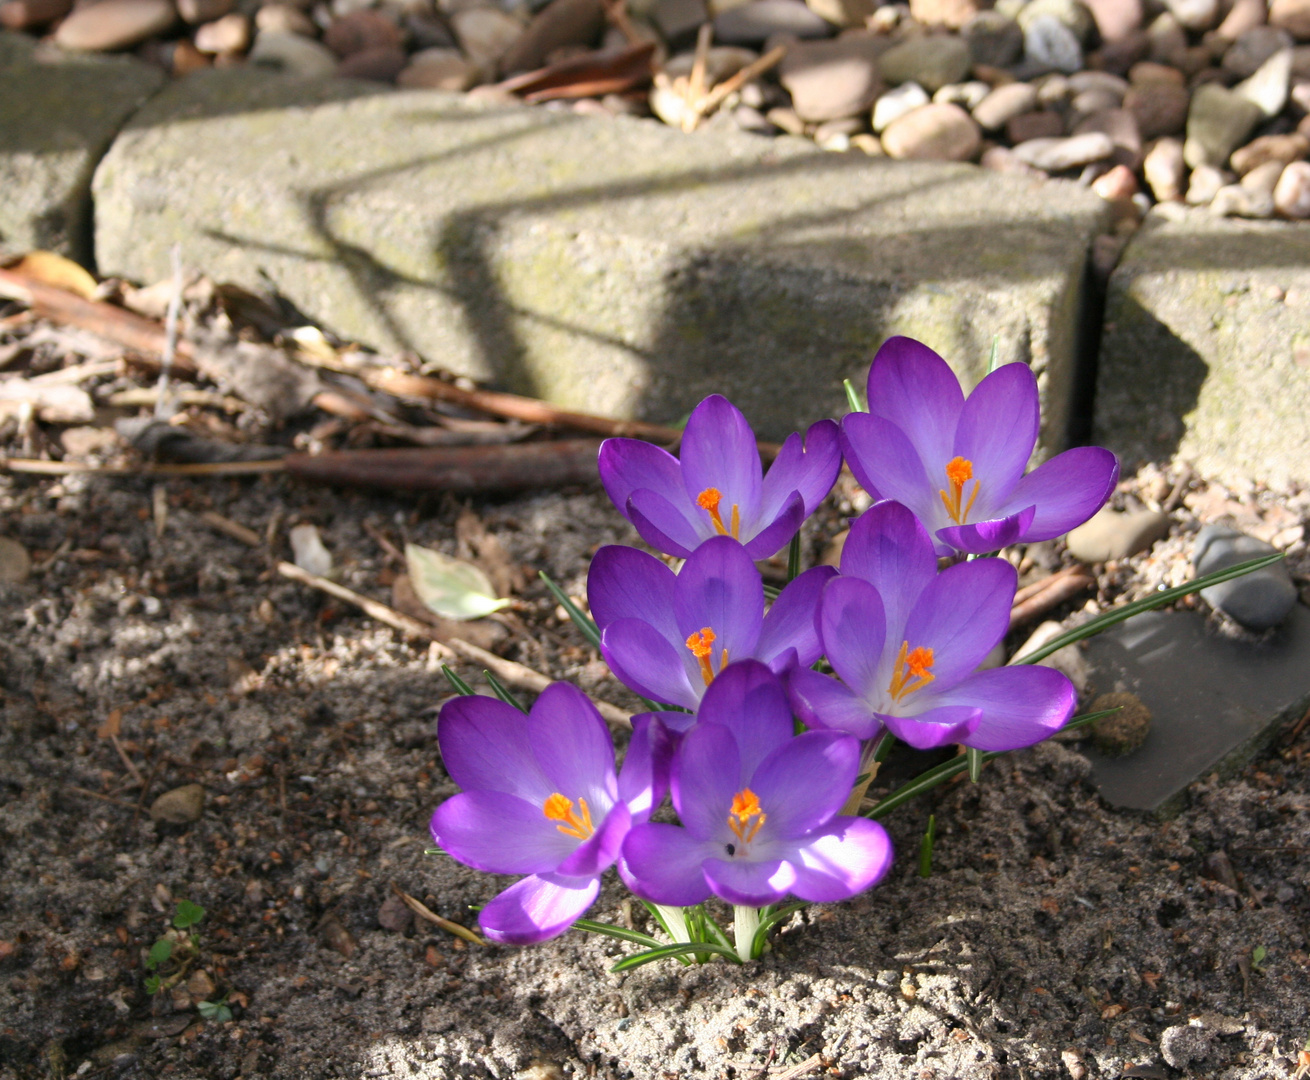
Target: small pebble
1054	155
1123	732
1205	182
1003	104
1259	600
395	915
1267	89
932	62
993	40
1052	44
1218	122
1113	534
230	34
181	806
292	54
114	24
1165	170
1292	193
933	133
15	562
896	103
756	20
1293	16
438	69
828	80
1184	1044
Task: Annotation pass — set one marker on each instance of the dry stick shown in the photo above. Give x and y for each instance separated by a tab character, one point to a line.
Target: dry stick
231	528
68	468
531	410
696	83
131	767
1045	583
719	94
424	912
103	798
1058	590
514	674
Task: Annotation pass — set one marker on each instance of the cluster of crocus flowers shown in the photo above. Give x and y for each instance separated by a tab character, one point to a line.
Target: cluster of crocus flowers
766	714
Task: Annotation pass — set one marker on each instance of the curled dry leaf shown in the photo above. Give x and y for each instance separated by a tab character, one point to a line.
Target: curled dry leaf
52	269
451	587
308	550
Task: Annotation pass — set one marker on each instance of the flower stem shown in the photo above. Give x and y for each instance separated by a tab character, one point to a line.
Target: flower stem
675	922
745	922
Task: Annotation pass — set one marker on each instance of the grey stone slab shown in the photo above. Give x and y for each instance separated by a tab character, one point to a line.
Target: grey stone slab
616	266
1206	348
1214	699
57	117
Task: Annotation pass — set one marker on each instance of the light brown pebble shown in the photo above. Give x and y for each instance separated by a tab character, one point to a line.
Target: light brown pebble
933	133
1042	124
438	69
1234	200
1165	170
230	34
181	806
1003	104
1072	152
1281	148
485	34
1001	159
1205	181
1118	185
1293	16
114	24
1292	193
15	563
1244	15
1160	108
187	58
285	19
1146	73
203	11
952	14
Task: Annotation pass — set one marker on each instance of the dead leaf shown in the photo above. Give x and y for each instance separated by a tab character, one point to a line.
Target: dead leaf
55	404
592	75
112	727
52	269
484	633
453	588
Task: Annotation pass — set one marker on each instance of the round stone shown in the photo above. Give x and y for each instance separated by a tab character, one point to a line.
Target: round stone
932	62
360	31
1005	103
1072	152
438	69
181	806
993	40
292	54
828	80
1260	600
933	133
897	103
15	562
1049	42
1160	108
1292	193
114	24
1112	534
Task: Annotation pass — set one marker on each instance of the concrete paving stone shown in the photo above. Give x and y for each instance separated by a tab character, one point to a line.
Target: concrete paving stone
610	265
1206	348
57	117
1214	700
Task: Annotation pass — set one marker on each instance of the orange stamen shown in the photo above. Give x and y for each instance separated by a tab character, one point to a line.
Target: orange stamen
913	671
558	808
701	646
959	471
746	816
708	500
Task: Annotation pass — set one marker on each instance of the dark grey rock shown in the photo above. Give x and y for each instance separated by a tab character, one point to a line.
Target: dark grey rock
1214	700
1258	601
932	62
753	22
993	39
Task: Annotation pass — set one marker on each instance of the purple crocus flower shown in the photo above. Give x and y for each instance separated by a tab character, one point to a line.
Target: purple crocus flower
758	807
667	635
541	798
906	642
959	463
718	489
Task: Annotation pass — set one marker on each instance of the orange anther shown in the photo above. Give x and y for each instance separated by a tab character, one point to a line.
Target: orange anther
959	471
913	671
559	808
746	817
701	646
708	500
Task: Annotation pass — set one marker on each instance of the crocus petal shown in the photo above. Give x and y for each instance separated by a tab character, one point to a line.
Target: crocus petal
662	525
934	727
500	834
644	778
823	702
810	470
537	909
706	775
596	855
1020	705
662	864
853	629
719	587
718	451
790	622
890	549
962	614
847	857
750	883
803	783
777	533
916	390
997	433
573	746
647	663
751	702
484	746
888	465
1067	490
984	537
676	722
624	583
628	465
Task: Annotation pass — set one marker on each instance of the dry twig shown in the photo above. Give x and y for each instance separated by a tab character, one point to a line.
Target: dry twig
424	912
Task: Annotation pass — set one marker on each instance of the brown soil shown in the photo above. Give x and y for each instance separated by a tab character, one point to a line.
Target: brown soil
1055	938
